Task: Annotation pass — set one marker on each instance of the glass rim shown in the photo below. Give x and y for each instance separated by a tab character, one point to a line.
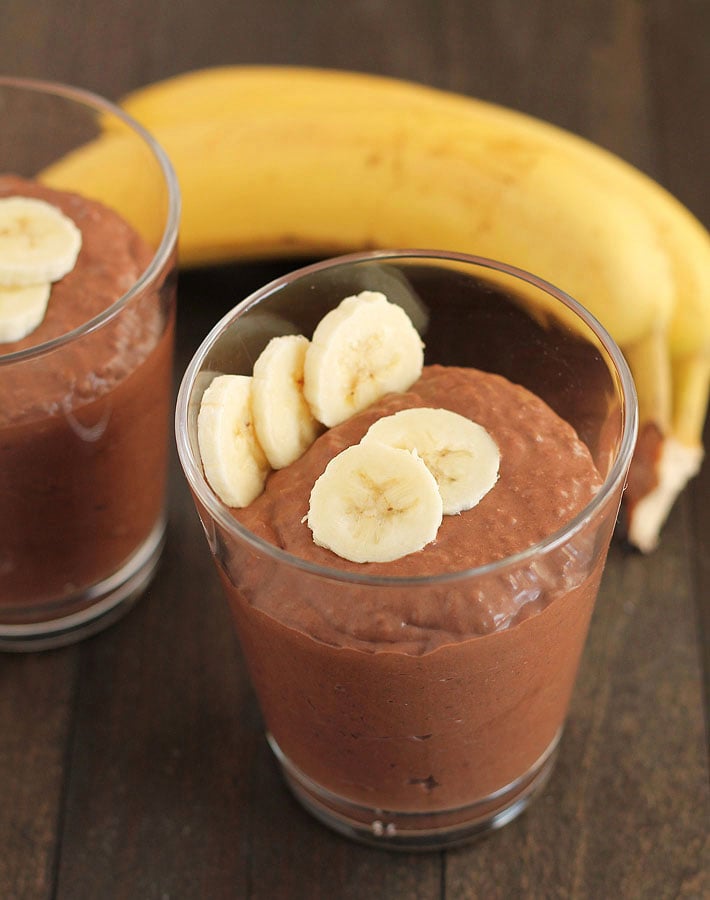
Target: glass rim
168	240
221	512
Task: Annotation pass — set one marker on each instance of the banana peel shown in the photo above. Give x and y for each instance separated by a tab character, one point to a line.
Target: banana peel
277	161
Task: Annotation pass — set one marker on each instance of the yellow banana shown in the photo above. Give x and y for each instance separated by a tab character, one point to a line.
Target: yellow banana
221	91
341	185
305	161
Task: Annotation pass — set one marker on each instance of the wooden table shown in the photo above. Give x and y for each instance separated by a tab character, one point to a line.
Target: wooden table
134	765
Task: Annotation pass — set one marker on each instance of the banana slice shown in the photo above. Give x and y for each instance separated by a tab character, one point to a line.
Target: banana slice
285	426
361	350
374	503
21	310
234	463
38	242
461	454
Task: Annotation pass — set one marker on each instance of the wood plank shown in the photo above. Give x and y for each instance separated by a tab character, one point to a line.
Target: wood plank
36	705
699	542
678	37
680	84
625	772
154	41
579	71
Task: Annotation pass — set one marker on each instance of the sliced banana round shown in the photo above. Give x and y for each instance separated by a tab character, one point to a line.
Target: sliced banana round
285	426
38	243
234	463
21	310
361	350
374	503
461	455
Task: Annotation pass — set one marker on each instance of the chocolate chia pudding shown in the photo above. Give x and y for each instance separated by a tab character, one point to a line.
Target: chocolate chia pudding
416	698
413	699
83	428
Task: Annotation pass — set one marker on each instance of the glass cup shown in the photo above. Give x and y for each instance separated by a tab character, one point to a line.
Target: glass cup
395	743
85	399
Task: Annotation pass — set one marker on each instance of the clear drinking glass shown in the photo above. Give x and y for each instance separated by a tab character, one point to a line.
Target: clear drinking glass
85	413
391	745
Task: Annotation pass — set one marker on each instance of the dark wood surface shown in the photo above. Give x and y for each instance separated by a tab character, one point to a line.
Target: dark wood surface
134	765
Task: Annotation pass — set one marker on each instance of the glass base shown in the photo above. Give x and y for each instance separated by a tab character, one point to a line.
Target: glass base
102	604
418	831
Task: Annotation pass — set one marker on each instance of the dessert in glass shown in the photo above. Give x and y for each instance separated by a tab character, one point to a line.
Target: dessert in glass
413	663
87	292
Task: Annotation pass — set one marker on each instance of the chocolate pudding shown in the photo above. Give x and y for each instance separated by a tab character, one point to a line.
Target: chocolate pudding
83	426
429	695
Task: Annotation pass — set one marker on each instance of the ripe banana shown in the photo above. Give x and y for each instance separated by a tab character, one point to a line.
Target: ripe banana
361	350
284	424
38	245
460	454
232	458
21	310
375	503
282	161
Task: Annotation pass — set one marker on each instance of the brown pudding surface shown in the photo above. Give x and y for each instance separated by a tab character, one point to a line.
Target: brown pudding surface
546	477
83	428
426	697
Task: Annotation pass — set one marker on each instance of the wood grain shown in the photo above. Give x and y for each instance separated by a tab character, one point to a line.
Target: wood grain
134	765
36	712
